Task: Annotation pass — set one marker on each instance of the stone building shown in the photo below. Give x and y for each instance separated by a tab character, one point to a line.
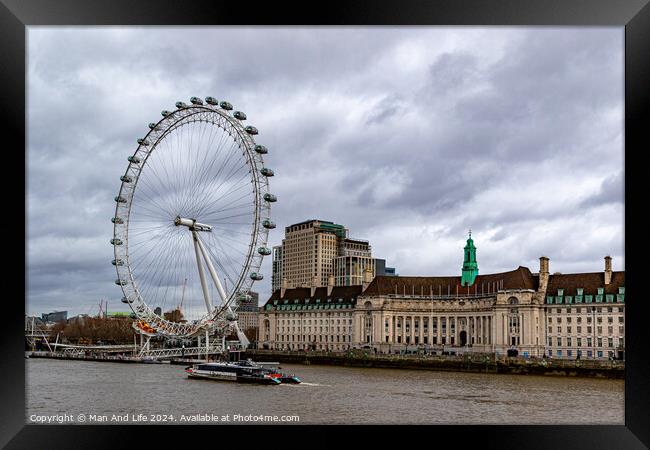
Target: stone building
309	318
534	314
585	314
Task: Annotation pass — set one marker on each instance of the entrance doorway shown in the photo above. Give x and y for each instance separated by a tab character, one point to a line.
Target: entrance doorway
463	338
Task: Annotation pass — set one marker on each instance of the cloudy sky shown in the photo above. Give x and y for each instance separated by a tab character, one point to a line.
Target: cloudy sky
407	135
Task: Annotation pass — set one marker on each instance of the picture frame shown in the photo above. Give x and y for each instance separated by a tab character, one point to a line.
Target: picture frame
634	16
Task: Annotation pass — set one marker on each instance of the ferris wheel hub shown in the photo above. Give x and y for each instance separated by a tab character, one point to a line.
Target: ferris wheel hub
192	224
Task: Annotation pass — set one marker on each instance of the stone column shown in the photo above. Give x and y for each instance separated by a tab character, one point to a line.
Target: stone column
421	337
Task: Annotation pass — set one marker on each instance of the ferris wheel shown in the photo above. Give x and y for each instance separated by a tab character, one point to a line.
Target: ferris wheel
192	219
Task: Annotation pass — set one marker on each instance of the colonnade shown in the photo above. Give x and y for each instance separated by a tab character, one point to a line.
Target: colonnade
418	329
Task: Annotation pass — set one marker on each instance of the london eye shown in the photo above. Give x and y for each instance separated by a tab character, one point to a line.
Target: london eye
191	220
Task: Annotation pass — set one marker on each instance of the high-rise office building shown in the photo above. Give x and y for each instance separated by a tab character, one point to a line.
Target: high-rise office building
318	253
276	278
308	252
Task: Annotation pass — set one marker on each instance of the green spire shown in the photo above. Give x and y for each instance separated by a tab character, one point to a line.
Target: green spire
470	266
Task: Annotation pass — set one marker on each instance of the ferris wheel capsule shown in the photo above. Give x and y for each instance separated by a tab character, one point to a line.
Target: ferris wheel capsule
196	101
117	220
120	199
239	115
266	172
126	178
225	105
256	276
251	130
269	224
261	149
116	241
211	101
120	282
127	300
153	126
134	159
117	262
143	142
180	105
264	251
270	198
165	113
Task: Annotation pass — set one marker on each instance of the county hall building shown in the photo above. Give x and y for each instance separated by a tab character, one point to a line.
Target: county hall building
536	314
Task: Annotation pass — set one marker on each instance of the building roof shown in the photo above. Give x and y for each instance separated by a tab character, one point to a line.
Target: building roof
520	278
589	282
299	295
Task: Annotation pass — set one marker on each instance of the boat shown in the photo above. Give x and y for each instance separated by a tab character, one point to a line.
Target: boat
240	371
274	372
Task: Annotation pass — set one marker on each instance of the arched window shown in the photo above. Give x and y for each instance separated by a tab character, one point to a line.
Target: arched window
513	301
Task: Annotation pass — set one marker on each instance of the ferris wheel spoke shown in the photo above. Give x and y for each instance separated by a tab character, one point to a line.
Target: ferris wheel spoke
209	190
206	169
230	203
166	209
229	175
233	190
229	210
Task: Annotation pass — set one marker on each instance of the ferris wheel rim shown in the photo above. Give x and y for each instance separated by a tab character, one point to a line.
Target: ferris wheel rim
259	234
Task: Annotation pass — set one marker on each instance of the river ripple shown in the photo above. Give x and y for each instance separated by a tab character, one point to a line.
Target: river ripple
328	395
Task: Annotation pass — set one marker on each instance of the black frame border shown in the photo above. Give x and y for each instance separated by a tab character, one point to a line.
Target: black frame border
634	15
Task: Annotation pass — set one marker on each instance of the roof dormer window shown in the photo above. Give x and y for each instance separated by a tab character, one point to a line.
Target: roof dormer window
560	292
580	290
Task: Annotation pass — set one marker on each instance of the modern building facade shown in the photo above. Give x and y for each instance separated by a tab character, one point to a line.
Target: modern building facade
381	269
308	252
535	314
355	258
276	277
315	250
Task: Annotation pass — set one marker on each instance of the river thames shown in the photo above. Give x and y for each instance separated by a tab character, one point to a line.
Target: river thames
152	393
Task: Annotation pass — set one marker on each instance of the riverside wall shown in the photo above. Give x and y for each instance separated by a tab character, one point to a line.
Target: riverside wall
477	363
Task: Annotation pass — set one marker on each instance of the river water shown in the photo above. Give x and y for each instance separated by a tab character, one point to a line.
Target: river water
104	392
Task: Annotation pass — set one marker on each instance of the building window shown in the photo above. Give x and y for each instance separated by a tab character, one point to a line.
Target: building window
579	342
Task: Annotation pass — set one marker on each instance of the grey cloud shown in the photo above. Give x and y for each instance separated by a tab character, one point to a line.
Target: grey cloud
611	191
358	134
